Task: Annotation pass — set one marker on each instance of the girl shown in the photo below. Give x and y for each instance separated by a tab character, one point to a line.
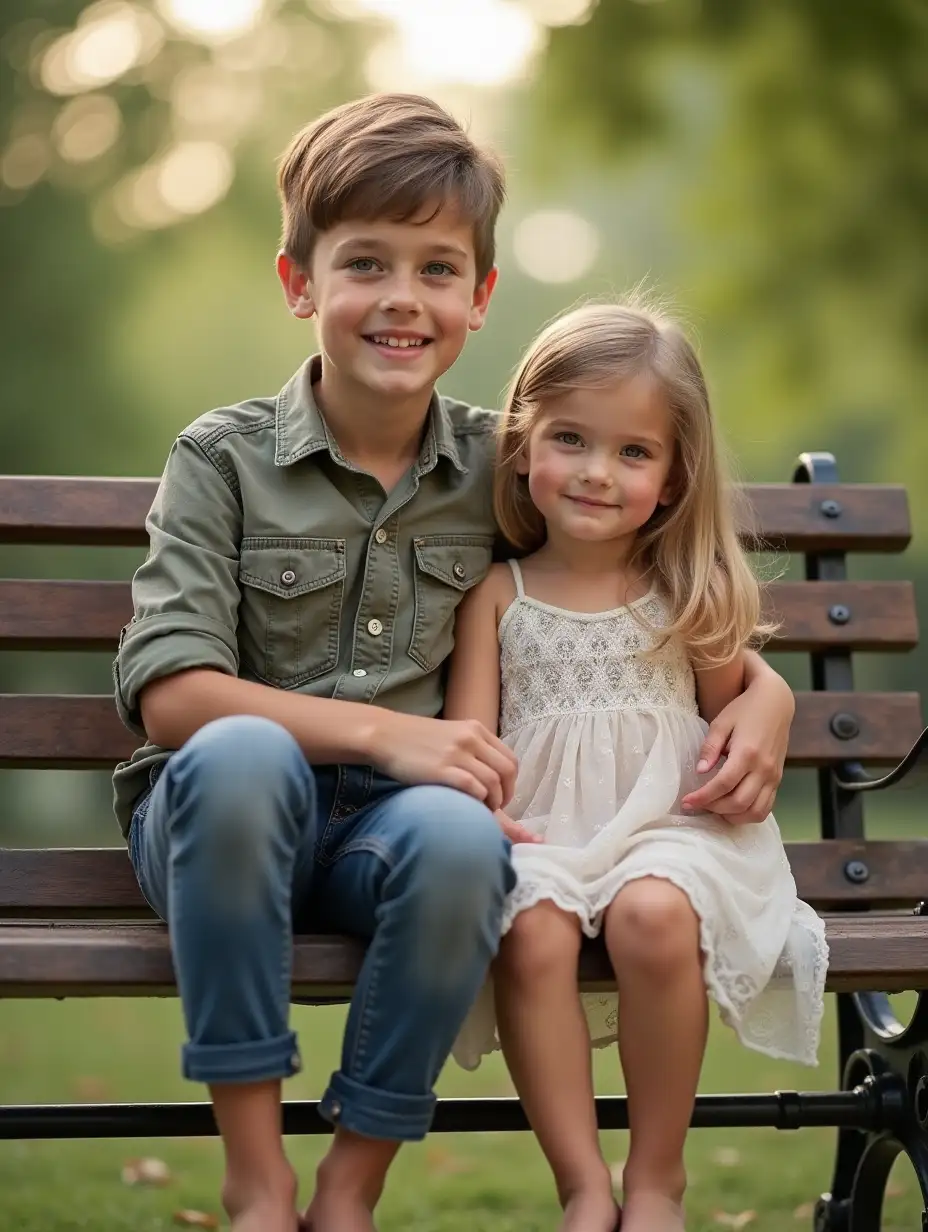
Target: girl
601	657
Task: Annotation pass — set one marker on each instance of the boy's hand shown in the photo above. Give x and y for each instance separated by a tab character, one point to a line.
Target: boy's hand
456	753
515	831
753	733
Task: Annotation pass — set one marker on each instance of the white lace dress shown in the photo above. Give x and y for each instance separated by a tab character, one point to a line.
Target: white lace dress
607	742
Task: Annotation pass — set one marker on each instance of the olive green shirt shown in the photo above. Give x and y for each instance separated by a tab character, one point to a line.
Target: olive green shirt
273	558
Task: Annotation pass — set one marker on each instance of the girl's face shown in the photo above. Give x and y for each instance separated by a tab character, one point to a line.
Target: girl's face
599	461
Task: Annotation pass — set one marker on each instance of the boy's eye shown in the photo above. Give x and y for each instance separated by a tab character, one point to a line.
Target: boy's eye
634	451
569	438
438	269
363	265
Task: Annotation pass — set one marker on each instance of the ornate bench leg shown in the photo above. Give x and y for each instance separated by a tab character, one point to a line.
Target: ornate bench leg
896	1059
832	1211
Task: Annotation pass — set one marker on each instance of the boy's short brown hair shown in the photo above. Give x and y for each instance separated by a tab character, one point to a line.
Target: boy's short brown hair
386	156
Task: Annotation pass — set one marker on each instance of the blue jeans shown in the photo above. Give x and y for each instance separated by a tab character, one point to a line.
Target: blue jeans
240	842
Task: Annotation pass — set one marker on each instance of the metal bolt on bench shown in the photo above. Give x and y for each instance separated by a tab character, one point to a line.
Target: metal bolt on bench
74	924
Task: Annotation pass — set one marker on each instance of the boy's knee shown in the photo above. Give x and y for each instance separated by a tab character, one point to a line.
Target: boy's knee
544	941
240	779
457	840
651	923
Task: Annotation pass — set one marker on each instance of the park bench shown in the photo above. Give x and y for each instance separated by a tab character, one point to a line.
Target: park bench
74	924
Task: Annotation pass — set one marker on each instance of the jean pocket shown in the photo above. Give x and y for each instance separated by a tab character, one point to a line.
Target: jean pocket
292	591
447	566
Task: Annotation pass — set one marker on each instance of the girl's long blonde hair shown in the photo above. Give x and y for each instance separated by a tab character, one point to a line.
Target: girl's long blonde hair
689	548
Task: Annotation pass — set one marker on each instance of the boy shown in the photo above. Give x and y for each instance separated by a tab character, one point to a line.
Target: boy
291	622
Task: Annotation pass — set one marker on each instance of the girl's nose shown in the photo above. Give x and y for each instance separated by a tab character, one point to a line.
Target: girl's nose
597	471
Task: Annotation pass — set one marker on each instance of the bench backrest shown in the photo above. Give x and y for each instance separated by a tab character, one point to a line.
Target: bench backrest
827	616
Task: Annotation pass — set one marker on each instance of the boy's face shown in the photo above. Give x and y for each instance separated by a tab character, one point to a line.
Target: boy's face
394	300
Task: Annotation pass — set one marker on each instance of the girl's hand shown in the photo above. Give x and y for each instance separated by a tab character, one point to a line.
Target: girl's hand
515	831
753	733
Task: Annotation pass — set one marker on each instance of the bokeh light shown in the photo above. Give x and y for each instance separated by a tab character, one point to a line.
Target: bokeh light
473	42
86	127
560	12
212	20
555	245
24	161
109	40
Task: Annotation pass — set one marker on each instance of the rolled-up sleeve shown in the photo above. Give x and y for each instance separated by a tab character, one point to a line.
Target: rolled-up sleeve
185	596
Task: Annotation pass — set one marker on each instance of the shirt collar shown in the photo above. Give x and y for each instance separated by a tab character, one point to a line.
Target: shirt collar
301	429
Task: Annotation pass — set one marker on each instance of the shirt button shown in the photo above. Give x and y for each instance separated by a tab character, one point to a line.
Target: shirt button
380	536
335	1109
296	1062
459	571
287	578
359	671
374	627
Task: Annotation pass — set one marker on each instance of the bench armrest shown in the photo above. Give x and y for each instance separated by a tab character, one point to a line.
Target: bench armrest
851	776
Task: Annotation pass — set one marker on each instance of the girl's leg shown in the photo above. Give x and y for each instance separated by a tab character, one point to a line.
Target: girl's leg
547	1047
652	934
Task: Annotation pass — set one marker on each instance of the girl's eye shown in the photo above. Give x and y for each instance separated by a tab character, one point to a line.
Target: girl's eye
569	438
634	451
438	269
363	265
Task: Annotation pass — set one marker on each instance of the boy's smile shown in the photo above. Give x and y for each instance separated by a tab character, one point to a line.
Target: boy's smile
394	303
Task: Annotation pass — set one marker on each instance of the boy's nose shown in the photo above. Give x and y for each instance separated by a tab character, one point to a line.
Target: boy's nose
400	295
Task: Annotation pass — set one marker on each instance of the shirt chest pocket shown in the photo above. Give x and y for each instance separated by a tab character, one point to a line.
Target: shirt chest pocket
446	566
292	591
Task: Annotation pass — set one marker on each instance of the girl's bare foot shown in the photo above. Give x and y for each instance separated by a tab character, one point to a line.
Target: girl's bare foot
647	1210
590	1210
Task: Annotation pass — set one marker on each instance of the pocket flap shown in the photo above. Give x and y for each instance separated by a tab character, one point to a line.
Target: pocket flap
291	567
458	564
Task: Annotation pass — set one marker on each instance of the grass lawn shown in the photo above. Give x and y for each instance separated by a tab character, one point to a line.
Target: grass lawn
127	1050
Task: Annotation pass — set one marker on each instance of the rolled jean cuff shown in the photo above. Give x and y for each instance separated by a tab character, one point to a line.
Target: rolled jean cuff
377	1114
254	1061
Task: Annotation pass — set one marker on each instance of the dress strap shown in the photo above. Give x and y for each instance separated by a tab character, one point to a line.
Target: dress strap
517	577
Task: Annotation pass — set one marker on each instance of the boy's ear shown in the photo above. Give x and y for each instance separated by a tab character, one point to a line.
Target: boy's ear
296	287
481	301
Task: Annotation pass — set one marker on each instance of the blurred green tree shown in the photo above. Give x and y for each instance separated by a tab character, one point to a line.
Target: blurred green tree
807	195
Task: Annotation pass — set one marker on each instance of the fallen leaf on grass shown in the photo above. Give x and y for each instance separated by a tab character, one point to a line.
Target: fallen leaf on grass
195	1219
439	1161
726	1157
806	1211
146	1172
895	1190
92	1090
741	1220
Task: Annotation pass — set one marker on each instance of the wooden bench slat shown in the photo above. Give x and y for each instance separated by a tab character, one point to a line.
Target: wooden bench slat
59	615
867	951
77	510
84	732
845	615
795	517
63	615
99	881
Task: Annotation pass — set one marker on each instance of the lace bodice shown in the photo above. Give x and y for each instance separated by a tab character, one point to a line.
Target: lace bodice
555	662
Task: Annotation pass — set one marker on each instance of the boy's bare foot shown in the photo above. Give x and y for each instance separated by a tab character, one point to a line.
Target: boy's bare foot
649	1211
265	1217
337	1212
264	1208
590	1210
